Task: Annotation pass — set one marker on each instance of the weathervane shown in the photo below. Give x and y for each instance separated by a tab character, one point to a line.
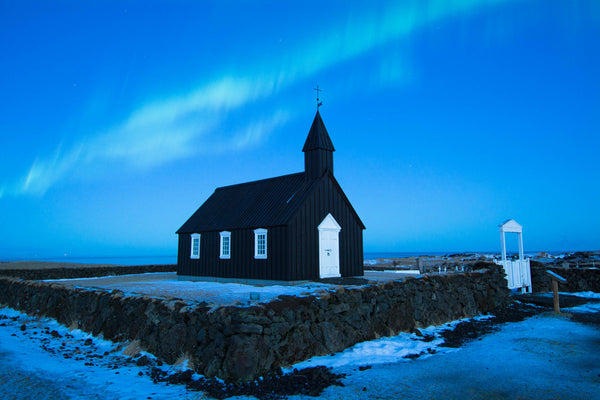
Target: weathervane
319	103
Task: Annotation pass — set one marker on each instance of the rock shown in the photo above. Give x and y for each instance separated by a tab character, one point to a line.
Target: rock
279	329
339	308
247	328
172	341
201	336
248	356
143	361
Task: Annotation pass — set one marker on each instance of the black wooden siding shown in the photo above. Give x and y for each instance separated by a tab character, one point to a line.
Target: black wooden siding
241	264
316	162
326	198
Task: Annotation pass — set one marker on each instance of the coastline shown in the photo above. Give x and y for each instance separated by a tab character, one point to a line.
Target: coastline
370	258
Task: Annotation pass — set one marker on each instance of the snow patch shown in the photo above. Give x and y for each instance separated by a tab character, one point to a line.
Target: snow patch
387	350
166	285
405	271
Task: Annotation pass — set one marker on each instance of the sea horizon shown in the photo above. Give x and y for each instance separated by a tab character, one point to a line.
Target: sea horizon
172	259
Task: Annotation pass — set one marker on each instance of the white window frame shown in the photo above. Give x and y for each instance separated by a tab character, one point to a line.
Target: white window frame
222	254
194	237
257	234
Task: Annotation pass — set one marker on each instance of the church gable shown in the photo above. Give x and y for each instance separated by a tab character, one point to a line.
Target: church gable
325	197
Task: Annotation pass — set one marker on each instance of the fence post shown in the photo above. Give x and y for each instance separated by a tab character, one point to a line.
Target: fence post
555	280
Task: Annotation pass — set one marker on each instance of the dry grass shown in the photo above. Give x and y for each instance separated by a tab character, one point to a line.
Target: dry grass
74	325
133	348
184	361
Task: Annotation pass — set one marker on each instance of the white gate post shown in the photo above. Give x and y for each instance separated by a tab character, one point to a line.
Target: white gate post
521	255
502	243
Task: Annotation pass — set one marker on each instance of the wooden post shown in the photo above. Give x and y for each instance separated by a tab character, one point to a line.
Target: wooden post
555	295
555	280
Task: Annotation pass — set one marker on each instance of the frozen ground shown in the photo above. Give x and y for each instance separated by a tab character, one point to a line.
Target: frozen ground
166	285
544	357
40	359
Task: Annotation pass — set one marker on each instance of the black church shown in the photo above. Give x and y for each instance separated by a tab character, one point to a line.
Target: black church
290	228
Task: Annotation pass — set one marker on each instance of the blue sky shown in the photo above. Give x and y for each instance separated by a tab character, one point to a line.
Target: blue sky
120	118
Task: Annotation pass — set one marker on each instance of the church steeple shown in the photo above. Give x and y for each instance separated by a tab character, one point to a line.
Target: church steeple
318	150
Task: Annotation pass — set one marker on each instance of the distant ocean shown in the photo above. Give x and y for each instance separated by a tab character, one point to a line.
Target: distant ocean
121	260
172	259
402	254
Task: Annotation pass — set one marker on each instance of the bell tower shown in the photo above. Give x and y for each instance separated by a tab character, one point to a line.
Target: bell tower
318	150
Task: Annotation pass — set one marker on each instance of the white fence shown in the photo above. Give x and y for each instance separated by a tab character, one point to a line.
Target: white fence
518	274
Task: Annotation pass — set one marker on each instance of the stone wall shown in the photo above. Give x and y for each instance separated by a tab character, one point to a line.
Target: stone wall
242	343
87	272
578	279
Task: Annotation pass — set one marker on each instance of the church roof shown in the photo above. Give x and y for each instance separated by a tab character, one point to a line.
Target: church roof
318	138
263	203
258	204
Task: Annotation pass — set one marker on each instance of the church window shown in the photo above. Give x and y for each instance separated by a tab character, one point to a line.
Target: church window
225	245
195	253
260	243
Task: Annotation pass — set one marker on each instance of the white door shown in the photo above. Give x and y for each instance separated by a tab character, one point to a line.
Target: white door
329	248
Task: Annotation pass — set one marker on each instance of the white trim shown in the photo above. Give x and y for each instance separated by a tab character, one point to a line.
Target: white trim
329	255
329	224
225	240
194	237
511	226
257	234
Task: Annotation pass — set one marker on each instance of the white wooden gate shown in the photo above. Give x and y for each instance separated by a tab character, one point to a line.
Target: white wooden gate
518	274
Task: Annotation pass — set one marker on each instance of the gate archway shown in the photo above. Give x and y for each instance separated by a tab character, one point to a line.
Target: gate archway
518	272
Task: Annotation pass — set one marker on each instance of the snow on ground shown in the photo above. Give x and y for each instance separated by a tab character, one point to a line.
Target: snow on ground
166	285
403	271
544	357
56	363
589	295
387	350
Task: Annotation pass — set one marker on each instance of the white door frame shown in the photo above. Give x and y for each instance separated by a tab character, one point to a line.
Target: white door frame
518	272
329	258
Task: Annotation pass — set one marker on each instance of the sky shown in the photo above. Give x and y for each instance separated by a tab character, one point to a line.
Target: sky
119	119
